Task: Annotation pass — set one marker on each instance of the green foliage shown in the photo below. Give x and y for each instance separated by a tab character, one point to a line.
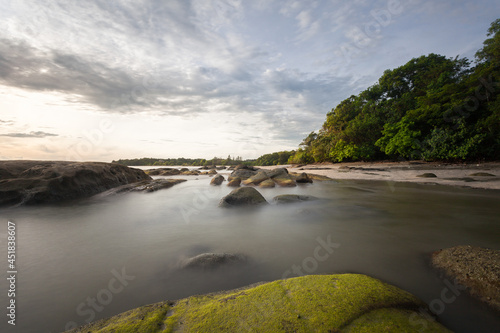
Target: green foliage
433	107
279	158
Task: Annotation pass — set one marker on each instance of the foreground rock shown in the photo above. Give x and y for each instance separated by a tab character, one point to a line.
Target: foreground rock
476	268
36	182
303	178
315	303
293	198
243	196
213	260
217	180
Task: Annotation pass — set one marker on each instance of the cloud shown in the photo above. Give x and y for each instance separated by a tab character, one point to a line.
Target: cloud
37	134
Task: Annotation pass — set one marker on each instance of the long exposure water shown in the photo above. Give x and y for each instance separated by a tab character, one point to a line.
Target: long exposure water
70	254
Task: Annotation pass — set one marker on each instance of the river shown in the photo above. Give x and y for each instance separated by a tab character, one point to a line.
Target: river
95	258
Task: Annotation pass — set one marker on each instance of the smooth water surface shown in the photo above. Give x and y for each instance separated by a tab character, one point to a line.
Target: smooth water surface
69	255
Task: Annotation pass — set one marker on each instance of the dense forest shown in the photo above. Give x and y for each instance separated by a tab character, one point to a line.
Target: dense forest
432	108
147	161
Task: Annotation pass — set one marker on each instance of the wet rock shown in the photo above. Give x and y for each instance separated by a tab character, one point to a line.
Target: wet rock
234	181
256	179
481	174
217	180
293	198
303	178
277	172
284	180
243	196
190	173
36	182
213	260
163	172
212	172
427	175
268	183
243	173
148	185
476	268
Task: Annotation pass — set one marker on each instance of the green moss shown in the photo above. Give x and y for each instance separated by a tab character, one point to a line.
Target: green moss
316	303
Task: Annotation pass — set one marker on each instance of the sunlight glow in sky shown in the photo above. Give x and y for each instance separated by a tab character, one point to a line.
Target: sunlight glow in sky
103	80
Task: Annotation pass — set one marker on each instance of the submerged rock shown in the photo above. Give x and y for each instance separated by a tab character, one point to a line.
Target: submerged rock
315	303
292	198
36	182
217	180
243	196
476	268
213	260
482	174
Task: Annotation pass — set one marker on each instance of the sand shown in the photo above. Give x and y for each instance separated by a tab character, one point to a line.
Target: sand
473	175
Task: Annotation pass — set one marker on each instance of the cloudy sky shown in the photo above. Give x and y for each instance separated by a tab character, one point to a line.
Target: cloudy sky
102	80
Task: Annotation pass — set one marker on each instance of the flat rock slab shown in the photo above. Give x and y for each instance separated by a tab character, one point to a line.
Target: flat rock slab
315	303
293	198
37	182
476	268
147	186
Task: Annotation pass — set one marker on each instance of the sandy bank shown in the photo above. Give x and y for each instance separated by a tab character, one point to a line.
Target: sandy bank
483	175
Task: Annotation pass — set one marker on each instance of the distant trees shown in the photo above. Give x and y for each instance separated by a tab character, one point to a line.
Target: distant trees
432	108
281	157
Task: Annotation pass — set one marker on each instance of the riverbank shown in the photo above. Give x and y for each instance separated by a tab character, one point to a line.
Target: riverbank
474	175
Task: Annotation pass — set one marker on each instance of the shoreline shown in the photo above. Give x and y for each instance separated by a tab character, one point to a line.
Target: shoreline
463	175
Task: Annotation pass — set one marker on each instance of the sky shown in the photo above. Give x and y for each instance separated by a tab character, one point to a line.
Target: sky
100	80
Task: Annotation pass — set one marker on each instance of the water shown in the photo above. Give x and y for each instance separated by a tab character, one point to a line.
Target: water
69	254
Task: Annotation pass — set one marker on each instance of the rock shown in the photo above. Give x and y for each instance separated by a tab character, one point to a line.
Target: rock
314	303
213	260
243	173
245	167
427	175
481	174
256	179
303	178
217	180
292	198
243	196
284	180
221	168
476	268
184	169
163	172
212	172
277	172
268	183
190	173
145	186
36	182
234	181
312	176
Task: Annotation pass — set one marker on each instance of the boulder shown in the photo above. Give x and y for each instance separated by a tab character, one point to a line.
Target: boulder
245	167
243	173
217	180
482	174
268	183
292	198
476	268
314	303
212	172
190	173
213	260
36	182
234	181
145	186
284	180
303	178
256	179
243	196
277	172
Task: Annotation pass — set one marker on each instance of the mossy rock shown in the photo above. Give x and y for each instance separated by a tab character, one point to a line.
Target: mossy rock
243	196
315	303
268	183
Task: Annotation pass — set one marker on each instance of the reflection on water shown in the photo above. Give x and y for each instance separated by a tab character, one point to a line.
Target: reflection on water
108	255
